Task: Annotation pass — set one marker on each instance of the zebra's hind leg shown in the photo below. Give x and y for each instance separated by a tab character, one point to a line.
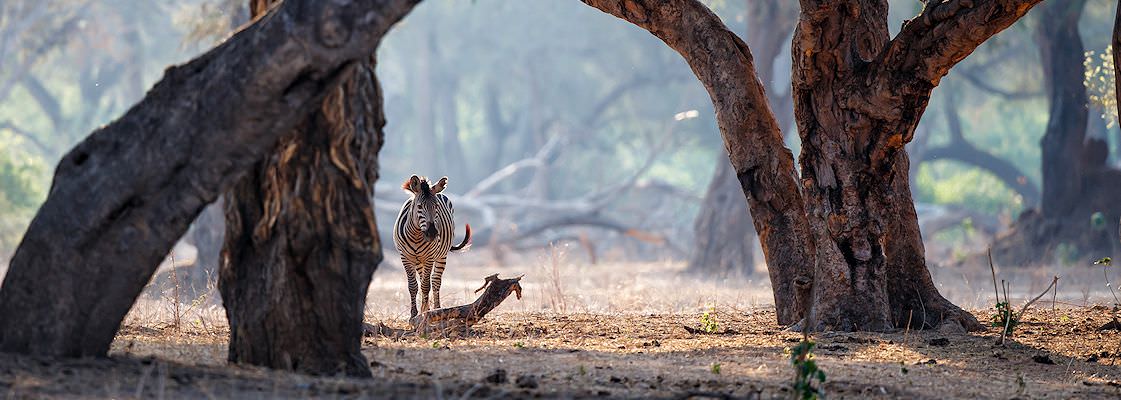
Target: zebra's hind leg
410	273
425	286
437	277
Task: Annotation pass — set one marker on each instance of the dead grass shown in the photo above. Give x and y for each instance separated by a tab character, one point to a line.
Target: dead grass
619	333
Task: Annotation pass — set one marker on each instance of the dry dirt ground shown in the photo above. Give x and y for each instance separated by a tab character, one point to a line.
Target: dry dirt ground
609	330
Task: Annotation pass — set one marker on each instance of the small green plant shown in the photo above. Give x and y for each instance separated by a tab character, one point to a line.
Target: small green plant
708	321
715	368
583	371
1005	317
806	372
1106	263
435	344
519	344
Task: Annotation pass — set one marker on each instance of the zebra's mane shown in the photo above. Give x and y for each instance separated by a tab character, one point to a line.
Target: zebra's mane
425	189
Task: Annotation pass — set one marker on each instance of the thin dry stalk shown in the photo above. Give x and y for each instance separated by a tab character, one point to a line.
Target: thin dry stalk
556	291
992	269
907	331
1003	334
175	294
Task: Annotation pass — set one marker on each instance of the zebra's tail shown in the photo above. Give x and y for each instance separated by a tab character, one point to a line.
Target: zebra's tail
466	243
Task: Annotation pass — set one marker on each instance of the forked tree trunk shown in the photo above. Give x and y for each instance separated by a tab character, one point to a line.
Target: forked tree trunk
301	240
121	198
858	97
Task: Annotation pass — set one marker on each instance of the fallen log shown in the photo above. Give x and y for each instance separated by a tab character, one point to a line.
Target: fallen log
457	319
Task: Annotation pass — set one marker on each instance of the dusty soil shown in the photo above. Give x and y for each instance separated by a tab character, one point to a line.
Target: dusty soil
613	330
1054	354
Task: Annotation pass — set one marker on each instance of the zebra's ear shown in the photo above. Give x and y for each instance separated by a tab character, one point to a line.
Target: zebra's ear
412	185
440	185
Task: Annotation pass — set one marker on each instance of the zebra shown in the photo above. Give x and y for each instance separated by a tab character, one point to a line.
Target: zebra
423	235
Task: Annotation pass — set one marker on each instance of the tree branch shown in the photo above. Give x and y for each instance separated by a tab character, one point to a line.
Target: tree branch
946	32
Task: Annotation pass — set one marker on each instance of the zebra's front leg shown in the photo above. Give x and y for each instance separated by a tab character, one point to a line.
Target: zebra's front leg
437	277
410	272
425	286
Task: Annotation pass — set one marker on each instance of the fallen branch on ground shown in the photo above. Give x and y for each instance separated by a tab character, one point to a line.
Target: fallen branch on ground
459	318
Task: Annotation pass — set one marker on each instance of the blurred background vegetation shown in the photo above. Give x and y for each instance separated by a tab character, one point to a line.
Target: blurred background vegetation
473	86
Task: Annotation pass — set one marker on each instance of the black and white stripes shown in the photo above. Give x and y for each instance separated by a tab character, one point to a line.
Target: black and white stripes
423	235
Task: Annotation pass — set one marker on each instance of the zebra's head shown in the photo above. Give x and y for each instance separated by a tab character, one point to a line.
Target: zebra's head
425	203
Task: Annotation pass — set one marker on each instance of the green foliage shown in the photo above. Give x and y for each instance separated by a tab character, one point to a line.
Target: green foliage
951	183
1005	316
806	372
519	344
708	321
715	368
21	191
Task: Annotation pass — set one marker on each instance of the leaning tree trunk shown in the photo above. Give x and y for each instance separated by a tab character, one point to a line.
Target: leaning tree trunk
121	198
301	240
724	236
858	97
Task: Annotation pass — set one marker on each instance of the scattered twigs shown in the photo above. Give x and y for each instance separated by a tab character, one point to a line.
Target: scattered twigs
1054	281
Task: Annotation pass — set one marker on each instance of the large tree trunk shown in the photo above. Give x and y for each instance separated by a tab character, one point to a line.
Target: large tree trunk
301	239
122	197
858	97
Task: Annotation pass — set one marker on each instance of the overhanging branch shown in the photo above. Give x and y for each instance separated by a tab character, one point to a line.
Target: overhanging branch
944	33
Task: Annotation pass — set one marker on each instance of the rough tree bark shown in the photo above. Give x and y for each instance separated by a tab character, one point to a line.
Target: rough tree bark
858	96
122	197
301	239
724	236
